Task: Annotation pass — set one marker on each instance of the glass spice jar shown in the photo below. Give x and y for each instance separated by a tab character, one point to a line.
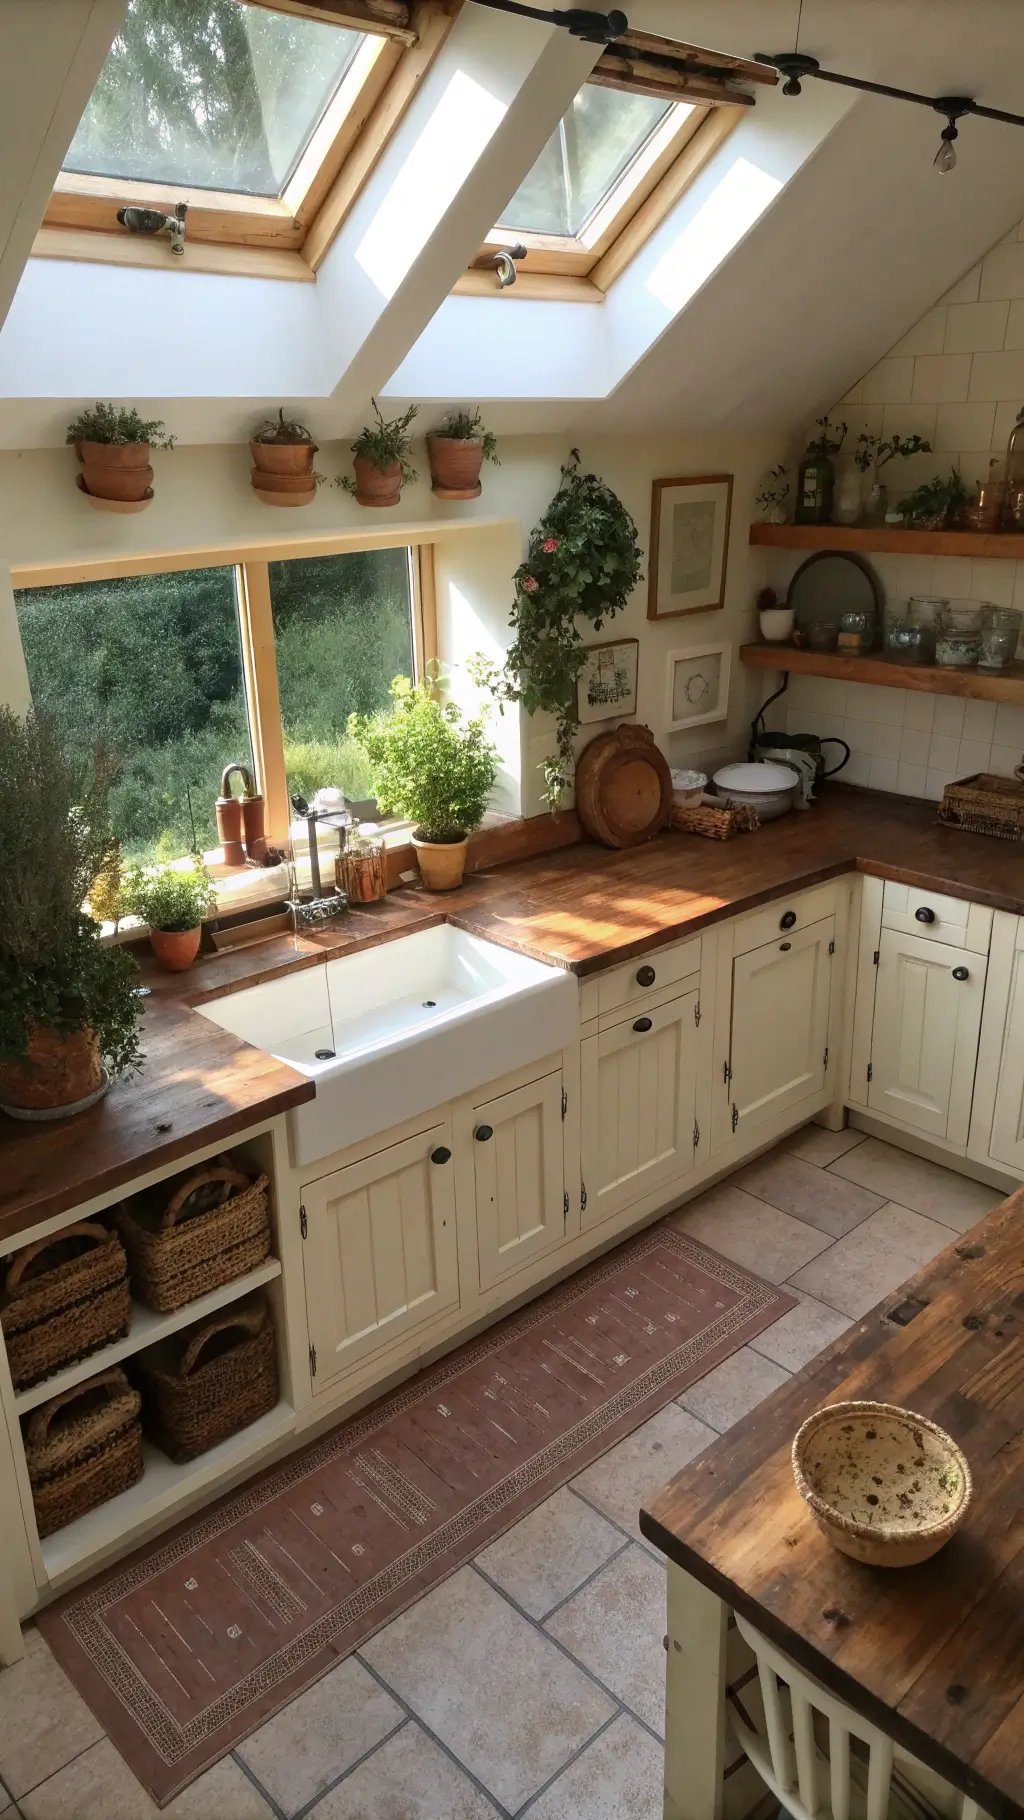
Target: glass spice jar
909	643
857	632
984	509
361	870
820	634
1000	630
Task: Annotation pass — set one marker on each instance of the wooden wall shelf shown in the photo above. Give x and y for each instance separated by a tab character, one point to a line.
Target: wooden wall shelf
930	679
886	539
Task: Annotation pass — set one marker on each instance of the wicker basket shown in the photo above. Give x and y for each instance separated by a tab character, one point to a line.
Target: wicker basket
63	1297
214	1228
715	824
213	1380
83	1447
985	804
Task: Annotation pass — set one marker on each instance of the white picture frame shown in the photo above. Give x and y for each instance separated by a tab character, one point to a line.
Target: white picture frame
689	549
697	686
606	688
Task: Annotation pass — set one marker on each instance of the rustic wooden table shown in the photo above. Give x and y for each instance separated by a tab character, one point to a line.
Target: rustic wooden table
933	1655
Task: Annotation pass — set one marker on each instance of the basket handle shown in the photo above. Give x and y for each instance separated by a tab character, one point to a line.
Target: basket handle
247	1320
82	1229
217	1172
38	1428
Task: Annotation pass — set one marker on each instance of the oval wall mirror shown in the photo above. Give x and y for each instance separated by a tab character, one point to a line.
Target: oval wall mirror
832	583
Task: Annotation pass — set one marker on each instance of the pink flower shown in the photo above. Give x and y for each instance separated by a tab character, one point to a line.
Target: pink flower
530	584
549	544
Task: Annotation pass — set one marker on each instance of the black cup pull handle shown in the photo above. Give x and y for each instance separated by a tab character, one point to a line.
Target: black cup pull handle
441	1155
483	1132
787	919
646	976
961	973
924	915
644	1023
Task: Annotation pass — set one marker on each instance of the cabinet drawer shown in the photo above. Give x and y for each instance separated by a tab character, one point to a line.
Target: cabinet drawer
639	979
935	917
783	916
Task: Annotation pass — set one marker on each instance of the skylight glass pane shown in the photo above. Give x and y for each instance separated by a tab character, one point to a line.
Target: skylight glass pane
210	94
596	142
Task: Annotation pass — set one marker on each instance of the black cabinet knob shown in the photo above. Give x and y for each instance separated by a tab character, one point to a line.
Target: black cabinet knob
787	919
961	973
645	976
784	947
644	1023
483	1132
924	915
441	1155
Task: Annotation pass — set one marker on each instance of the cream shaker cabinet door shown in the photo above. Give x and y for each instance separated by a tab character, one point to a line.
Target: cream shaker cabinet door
638	1084
379	1253
924	1039
1006	1142
778	1050
518	1177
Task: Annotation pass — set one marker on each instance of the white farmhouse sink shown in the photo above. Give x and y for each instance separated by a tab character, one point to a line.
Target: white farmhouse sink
398	1029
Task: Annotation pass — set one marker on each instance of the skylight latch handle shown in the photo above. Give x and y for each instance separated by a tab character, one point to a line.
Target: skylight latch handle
504	264
152	221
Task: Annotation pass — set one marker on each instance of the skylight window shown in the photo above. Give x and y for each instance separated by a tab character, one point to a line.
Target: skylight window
208	94
597	143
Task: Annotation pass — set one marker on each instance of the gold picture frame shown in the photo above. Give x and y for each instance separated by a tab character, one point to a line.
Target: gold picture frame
689	548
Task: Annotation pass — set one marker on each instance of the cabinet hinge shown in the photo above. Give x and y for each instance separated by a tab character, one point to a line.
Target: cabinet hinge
565	1204
312	1361
565	1102
831	947
726	1073
735	1115
303	1222
696	1011
824	1059
870	1071
696	1135
874	958
583	1197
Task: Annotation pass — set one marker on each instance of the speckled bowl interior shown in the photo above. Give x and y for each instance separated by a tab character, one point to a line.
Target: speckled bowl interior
883	1483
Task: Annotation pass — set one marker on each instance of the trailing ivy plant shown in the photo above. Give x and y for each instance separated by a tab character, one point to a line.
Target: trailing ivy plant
582	564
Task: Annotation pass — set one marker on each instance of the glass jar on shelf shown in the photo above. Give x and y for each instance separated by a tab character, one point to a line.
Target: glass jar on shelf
857	630
909	643
1000	631
820	634
984	509
361	869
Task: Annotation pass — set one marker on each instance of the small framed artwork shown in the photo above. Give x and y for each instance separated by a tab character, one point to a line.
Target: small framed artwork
607	687
698	686
689	545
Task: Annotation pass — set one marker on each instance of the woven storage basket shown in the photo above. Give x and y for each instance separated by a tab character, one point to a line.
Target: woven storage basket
63	1297
224	1376
985	804
715	823
214	1228
83	1447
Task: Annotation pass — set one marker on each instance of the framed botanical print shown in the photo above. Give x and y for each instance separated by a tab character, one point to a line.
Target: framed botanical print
689	544
607	686
698	686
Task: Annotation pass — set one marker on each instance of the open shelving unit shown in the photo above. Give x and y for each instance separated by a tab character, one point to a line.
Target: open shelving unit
931	679
889	540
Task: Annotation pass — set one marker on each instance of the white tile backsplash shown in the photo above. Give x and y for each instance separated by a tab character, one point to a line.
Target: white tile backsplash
944	378
979	720
992	580
1004	760
974	327
951	576
949	716
878	740
883	774
974	755
914	746
936	781
944	753
910	779
1009	728
919	711
963	426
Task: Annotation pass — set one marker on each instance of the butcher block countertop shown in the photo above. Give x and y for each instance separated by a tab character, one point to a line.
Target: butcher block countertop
582	908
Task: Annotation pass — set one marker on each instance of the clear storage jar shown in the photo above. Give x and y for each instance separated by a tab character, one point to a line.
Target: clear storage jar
1000	631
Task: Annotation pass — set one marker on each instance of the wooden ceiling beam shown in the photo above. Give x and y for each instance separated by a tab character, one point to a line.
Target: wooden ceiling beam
390	18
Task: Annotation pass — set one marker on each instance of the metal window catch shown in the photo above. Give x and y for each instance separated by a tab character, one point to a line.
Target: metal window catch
504	264
153	221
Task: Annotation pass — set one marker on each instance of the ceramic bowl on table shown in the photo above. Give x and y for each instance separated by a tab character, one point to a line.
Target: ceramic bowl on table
687	788
884	1485
770	789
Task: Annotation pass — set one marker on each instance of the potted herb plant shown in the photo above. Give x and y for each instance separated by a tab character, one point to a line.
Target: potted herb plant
433	766
173	900
458	450
282	451
382	466
113	446
871	455
68	1006
936	504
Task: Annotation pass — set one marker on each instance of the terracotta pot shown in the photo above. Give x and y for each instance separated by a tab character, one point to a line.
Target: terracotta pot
377	486
115	470
455	466
282	483
55	1070
175	948
283	457
230	830
441	863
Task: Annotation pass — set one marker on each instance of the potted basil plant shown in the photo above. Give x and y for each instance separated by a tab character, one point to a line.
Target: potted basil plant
173	900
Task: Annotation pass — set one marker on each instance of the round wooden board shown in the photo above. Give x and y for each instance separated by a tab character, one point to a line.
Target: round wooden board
623	787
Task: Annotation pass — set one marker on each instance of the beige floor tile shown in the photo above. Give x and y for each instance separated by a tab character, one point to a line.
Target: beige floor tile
308	1745
816	1145
221	1793
770	1243
618	1777
869	1263
733	1388
818	1196
800	1334
623	1479
43	1721
99	1785
911	1181
550	1553
504	1700
919	1239
615	1628
408	1778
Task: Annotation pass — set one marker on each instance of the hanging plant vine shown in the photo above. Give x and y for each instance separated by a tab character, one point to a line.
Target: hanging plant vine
583	563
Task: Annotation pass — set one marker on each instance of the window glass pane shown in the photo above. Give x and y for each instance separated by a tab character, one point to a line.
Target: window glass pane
150	666
343	630
210	94
596	142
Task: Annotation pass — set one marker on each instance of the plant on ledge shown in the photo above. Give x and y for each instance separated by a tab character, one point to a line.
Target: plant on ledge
936	504
68	1006
113	445
382	465
871	455
583	563
282	451
458	449
433	767
173	900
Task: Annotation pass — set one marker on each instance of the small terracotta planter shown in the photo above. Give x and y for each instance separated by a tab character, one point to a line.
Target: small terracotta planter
54	1072
283	457
455	464
116	470
377	486
175	948
441	863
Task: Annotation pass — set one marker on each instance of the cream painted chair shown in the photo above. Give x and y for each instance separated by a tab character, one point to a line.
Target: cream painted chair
821	1759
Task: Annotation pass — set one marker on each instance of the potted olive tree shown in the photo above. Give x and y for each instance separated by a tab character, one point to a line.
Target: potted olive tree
433	767
458	449
382	466
173	900
68	1005
113	445
282	453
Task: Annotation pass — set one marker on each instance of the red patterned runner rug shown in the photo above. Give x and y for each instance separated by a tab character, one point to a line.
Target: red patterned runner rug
190	1645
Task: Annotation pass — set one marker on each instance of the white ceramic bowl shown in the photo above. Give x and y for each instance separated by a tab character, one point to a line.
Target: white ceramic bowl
770	789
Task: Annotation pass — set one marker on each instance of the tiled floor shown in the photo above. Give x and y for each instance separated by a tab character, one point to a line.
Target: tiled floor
531	1681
